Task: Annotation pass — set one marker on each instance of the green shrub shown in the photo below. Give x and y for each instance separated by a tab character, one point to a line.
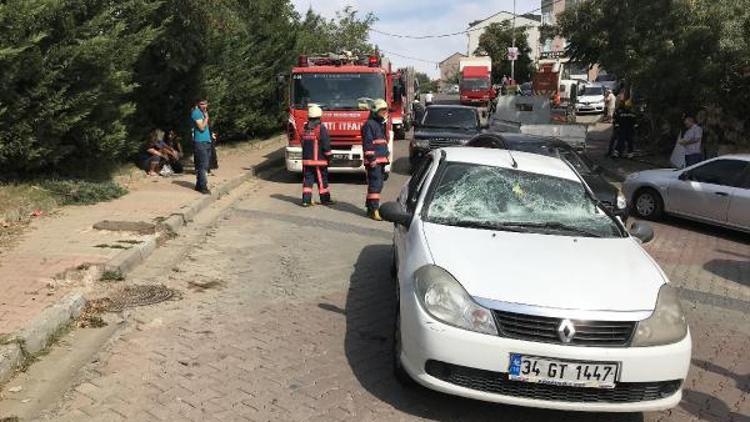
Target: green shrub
79	192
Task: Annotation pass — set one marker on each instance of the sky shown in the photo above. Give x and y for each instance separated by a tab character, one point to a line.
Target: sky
420	17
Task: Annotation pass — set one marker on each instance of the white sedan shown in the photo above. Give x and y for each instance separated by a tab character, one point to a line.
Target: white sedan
515	286
716	191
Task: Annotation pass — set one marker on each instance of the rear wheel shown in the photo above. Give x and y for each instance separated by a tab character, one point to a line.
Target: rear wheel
647	203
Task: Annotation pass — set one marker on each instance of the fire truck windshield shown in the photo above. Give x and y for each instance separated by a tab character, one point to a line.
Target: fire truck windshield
475	83
336	91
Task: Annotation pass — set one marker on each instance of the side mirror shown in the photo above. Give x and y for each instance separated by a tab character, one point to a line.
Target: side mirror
392	212
642	231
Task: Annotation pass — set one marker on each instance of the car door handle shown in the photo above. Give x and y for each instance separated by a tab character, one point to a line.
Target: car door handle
721	193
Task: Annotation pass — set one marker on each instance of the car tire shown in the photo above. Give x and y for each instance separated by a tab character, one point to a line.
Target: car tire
648	204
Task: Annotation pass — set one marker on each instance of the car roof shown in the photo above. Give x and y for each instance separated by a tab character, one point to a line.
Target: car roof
452	107
525	161
744	157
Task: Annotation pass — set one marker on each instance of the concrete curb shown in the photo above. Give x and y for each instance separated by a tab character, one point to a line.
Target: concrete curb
19	348
39	334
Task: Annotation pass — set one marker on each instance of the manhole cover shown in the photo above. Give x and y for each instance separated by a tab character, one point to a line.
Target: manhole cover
132	296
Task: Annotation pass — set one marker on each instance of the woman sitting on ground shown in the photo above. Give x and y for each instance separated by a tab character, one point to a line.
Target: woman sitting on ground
152	157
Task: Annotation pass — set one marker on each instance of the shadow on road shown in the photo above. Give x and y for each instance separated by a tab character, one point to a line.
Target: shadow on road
370	308
338	206
742	380
694	402
402	166
730	269
706	229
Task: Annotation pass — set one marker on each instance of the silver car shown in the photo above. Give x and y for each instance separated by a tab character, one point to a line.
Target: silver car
715	191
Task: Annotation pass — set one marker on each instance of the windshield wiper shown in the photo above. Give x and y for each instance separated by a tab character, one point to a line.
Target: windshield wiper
554	225
485	226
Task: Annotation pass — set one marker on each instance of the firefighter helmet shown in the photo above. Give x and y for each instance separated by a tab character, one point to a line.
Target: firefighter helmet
378	105
314	111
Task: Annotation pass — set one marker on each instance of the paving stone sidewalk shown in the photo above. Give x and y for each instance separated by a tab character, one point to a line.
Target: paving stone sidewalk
47	262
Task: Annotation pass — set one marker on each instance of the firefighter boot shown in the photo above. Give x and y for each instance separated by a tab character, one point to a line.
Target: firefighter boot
374	214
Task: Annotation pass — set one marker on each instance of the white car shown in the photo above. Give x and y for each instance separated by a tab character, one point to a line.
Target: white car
716	191
516	287
591	100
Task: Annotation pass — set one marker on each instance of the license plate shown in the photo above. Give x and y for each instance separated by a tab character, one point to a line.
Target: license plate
341	157
552	371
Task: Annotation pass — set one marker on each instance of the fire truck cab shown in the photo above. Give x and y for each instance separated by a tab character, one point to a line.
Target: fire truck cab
344	86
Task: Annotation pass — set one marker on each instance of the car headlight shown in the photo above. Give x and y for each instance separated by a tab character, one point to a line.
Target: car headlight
422	143
622	203
446	300
666	325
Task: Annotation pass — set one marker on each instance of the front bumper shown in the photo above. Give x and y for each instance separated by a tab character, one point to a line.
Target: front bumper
591	108
344	161
477	363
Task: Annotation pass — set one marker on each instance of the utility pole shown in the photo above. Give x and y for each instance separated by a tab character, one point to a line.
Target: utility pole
513	62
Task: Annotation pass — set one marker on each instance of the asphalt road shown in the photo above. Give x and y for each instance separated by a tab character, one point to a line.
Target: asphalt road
286	314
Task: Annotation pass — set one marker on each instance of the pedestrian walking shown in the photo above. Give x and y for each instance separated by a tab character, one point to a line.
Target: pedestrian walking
624	122
201	130
428	99
691	141
610	103
375	147
316	155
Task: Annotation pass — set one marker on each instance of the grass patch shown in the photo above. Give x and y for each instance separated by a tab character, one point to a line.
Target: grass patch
110	276
80	192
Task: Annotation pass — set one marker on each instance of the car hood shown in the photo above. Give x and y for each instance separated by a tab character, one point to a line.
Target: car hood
590	99
563	272
432	133
656	174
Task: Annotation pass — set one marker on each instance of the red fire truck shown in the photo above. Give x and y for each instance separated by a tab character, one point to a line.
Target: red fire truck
344	86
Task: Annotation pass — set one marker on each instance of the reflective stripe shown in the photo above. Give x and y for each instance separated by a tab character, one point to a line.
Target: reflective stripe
382	160
373	196
380	142
328	153
314	163
369	152
324	191
306	190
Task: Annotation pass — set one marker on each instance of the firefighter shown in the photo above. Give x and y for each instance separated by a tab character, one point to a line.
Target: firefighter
625	124
375	147
316	154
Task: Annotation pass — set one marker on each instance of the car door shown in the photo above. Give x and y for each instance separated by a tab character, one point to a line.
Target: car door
410	200
739	204
705	191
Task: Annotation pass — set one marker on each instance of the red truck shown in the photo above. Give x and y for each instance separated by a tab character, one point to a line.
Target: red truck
344	86
475	84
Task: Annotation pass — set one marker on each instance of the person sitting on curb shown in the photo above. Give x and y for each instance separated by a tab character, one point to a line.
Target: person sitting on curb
172	142
152	157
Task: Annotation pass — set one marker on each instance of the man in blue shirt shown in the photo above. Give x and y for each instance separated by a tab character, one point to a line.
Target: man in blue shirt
201	144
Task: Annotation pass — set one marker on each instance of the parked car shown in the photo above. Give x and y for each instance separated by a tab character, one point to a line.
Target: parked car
606	192
608	81
591	100
514	286
526	89
443	126
716	191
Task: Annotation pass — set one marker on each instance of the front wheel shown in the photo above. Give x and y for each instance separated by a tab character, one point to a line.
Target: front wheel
647	203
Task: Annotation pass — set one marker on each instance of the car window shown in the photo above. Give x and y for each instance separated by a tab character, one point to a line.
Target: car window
445	117
593	90
495	197
719	172
416	183
576	160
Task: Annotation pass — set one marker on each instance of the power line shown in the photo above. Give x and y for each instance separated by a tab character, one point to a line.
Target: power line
410	57
451	34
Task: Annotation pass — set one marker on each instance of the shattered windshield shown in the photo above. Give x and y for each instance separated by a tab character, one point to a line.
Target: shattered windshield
488	197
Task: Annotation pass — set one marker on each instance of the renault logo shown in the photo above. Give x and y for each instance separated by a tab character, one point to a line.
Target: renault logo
566	330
